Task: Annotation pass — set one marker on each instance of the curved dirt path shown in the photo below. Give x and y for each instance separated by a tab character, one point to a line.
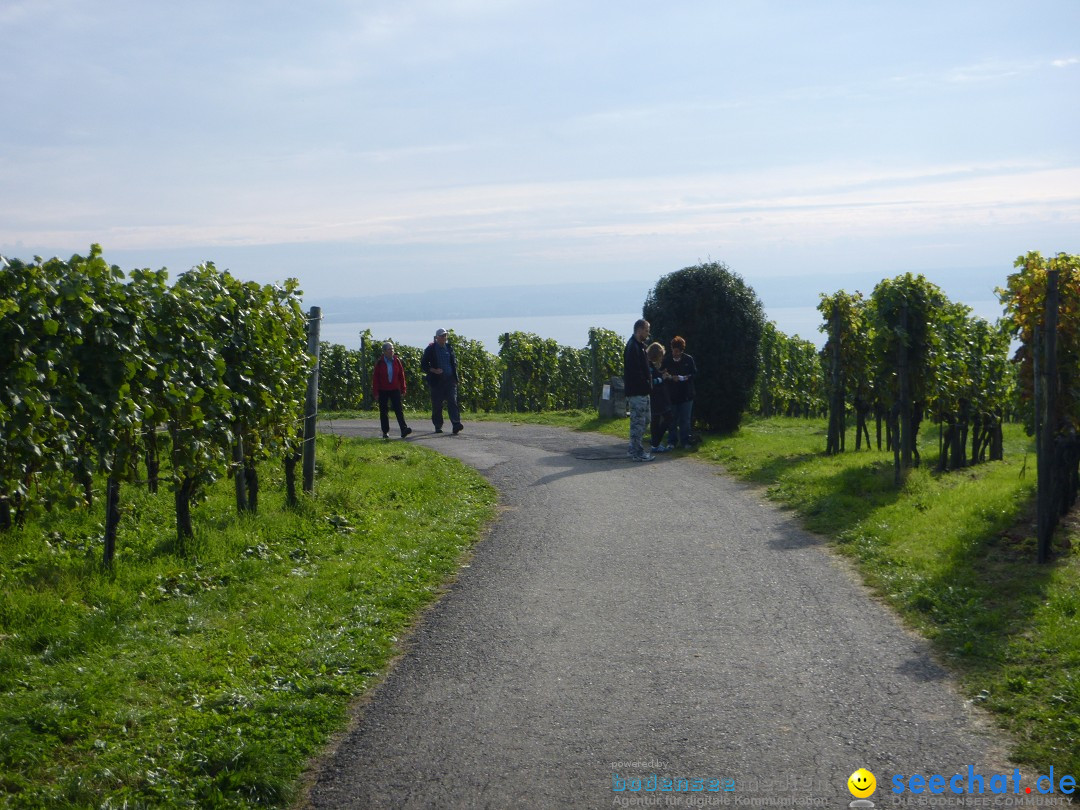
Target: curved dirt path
635	619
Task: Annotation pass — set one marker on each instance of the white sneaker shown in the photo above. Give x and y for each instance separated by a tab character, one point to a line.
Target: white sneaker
644	457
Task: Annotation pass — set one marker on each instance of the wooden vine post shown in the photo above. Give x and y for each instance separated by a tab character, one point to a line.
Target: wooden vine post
365	373
311	405
905	391
1048	504
835	438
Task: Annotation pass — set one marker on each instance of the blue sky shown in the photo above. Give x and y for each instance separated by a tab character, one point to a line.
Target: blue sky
405	146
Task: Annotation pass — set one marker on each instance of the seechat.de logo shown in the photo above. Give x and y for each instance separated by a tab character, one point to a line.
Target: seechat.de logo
862	784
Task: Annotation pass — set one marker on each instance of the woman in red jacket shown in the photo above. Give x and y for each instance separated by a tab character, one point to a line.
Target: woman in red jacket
388	384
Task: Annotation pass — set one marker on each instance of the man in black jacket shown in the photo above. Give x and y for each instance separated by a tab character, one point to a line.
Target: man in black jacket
440	366
638	383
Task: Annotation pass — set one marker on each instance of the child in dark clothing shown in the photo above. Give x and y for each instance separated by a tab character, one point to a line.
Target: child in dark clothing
662	413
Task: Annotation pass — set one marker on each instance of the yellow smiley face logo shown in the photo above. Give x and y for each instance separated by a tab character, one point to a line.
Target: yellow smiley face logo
861	783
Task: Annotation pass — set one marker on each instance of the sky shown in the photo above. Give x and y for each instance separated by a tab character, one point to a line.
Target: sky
413	146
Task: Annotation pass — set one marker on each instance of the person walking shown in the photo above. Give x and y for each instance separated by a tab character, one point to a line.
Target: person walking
681	371
440	366
637	382
388	386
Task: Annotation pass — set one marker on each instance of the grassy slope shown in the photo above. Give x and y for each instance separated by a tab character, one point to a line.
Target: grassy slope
210	678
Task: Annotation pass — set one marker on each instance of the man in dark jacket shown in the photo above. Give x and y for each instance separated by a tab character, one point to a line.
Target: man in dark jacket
637	380
440	366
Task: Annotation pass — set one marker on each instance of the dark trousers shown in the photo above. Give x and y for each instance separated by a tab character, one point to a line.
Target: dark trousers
440	392
661	424
392	398
683	413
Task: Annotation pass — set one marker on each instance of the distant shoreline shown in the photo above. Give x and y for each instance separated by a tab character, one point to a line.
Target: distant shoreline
566	330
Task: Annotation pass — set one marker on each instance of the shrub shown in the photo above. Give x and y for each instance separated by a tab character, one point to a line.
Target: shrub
722	320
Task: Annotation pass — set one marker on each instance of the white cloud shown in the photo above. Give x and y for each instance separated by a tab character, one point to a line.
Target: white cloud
15	12
552	129
977	72
985	72
808	205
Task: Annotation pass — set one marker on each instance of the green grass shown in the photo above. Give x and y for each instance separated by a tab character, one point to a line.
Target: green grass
210	678
420	420
954	554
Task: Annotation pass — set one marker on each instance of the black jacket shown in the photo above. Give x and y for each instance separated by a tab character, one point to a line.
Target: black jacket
658	397
430	360
686	367
637	380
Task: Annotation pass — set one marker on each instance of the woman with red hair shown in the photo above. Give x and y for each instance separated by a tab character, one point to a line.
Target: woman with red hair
681	370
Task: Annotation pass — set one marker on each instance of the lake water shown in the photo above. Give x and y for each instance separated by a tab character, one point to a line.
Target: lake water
570	330
567	330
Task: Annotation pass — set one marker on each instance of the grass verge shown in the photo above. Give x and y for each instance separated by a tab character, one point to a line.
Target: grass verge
209	678
421	420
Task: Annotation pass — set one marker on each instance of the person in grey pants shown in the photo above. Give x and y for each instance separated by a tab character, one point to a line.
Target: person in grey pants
637	379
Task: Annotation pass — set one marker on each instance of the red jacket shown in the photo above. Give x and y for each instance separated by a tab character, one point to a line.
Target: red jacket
379	381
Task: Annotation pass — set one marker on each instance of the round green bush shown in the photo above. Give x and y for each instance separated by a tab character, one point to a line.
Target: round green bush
722	320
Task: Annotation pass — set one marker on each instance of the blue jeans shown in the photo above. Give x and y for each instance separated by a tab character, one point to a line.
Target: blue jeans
683	411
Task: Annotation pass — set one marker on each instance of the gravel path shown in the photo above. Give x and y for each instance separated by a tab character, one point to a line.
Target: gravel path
625	619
